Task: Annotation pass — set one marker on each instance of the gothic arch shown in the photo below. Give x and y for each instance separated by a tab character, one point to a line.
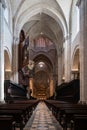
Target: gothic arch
26	16
7	64
8	8
76	63
75	27
75	58
44	58
34	11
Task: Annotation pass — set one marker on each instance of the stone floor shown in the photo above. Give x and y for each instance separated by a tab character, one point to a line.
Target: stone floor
42	119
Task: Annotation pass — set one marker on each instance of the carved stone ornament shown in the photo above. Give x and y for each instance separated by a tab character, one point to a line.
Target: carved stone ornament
31	64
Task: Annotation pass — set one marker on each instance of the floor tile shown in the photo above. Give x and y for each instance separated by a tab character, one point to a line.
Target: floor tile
42	119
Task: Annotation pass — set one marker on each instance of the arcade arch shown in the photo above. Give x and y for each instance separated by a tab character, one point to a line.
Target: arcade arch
7	65
76	64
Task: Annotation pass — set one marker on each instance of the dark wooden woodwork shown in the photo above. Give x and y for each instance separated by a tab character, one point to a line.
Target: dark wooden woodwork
6	122
69	92
19	110
79	122
69	114
13	91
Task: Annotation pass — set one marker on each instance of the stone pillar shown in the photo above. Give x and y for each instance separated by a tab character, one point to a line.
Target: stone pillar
15	59
60	65
83	50
2	6
67	53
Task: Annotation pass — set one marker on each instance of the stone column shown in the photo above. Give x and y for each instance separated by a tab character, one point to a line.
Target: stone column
83	50
2	6
67	54
15	59
60	67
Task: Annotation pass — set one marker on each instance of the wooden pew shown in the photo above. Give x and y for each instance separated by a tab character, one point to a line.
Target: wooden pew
64	112
66	116
17	116
32	102
17	104
20	110
6	122
54	105
26	107
69	92
79	122
13	91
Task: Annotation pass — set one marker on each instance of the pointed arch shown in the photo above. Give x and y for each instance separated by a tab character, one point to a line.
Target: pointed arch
75	64
27	15
7	64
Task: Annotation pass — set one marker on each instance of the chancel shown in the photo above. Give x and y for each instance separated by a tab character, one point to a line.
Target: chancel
43	64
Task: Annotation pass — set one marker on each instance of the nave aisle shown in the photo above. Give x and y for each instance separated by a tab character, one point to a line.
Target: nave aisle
42	119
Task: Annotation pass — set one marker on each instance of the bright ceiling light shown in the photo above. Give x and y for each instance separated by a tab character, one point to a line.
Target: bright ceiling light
41	64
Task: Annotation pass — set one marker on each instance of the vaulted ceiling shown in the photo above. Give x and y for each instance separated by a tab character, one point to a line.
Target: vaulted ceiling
43	24
50	18
19	6
38	13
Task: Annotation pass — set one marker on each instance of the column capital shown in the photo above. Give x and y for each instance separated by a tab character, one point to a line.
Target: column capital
67	37
3	3
16	39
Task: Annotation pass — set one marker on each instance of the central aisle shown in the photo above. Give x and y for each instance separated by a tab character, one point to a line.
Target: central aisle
42	119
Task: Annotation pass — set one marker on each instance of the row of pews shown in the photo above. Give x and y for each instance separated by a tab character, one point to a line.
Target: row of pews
17	109
71	116
14	91
16	114
65	107
68	91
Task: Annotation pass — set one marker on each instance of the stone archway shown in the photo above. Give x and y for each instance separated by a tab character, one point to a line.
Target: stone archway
7	66
43	78
76	65
27	16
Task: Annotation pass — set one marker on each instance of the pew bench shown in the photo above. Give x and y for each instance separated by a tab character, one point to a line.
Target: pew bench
79	122
26	109
64	112
17	116
6	122
66	116
20	110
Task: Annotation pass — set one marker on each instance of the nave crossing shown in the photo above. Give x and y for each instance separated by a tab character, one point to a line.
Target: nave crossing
42	119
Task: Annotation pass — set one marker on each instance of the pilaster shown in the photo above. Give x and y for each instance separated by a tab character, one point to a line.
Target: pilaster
60	66
1	52
83	50
67	54
15	59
